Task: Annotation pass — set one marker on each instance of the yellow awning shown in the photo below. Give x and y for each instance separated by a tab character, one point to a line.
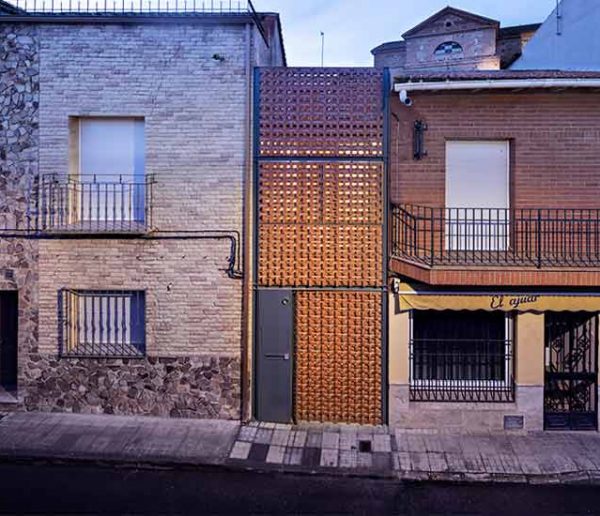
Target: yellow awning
417	299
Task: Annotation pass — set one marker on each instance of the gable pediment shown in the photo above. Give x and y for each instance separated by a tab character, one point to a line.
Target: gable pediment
449	21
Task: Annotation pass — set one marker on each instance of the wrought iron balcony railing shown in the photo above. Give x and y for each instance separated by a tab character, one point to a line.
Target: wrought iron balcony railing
535	237
92	204
130	7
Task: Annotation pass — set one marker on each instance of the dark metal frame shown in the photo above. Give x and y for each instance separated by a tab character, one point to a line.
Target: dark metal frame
103	7
568	368
92	204
257	159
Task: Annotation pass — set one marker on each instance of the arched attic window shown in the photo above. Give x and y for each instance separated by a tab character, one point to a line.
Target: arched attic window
448	49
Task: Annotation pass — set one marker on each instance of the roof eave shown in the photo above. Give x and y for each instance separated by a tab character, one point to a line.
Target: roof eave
494	84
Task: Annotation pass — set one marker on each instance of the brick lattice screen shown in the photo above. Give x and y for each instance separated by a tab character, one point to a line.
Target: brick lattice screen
321	112
338	357
320	225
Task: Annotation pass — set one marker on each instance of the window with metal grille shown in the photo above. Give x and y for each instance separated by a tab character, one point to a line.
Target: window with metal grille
461	356
107	323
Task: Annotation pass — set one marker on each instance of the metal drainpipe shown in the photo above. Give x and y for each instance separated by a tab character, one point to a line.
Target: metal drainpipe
246	344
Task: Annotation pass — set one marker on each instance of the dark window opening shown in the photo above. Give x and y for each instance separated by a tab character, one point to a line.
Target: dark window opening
9	315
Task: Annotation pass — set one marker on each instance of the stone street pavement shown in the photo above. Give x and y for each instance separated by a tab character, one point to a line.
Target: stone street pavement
542	457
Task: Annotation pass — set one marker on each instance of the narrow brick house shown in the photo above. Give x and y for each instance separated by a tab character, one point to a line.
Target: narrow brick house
124	152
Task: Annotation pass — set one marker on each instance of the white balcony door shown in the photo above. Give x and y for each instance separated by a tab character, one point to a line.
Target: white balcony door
477	196
111	166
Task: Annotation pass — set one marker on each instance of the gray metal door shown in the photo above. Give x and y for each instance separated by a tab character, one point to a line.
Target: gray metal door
275	329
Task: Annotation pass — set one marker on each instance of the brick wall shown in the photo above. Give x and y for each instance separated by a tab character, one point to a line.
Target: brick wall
554	137
195	113
193	107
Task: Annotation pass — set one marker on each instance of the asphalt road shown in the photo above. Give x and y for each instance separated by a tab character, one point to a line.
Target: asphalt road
42	488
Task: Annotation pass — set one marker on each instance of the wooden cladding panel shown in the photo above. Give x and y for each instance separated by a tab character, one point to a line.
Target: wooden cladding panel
321	112
338	357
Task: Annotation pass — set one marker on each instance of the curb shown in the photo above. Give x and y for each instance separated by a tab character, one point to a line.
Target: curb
587	478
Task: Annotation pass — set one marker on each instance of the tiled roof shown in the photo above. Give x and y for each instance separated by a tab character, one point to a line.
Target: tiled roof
507	32
390	45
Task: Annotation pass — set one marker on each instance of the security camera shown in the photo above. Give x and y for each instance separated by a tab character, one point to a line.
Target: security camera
405	99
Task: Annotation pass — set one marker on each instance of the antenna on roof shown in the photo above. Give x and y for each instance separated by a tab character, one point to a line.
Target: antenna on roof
558	18
322	48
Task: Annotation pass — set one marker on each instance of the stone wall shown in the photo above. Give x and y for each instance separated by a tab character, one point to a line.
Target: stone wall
200	386
19	145
479	51
466	417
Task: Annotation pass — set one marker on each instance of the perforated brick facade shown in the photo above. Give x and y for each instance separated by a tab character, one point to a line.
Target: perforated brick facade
320	214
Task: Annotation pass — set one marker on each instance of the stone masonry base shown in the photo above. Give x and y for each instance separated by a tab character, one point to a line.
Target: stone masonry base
466	417
187	387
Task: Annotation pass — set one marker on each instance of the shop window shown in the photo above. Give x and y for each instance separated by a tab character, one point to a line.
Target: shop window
461	356
102	323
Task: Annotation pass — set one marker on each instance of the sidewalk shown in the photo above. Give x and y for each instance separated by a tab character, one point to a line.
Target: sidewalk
321	449
542	457
128	440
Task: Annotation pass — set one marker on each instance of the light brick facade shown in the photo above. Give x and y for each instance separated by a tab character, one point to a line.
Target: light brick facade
190	82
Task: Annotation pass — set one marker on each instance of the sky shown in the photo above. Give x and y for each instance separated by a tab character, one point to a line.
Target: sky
353	27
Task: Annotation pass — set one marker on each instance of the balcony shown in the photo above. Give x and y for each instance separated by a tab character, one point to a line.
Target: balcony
112	204
537	238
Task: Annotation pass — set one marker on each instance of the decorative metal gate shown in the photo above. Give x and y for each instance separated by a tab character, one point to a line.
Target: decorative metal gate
320	226
571	391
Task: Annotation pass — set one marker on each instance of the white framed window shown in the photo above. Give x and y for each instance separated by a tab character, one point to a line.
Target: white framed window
110	181
477	214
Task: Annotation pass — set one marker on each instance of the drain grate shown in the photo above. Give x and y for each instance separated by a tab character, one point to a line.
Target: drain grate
364	446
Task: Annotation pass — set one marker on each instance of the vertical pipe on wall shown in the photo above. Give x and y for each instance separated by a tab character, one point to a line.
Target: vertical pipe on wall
247	208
